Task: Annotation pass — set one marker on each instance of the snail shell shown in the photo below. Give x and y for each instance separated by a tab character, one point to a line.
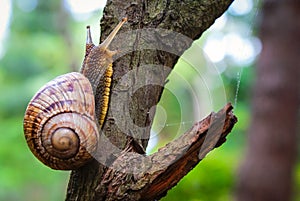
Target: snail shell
59	123
60	120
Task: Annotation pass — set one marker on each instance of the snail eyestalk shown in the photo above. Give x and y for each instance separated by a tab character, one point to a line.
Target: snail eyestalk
107	41
88	35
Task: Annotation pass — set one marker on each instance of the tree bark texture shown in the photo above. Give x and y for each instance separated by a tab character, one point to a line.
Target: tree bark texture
266	173
149	45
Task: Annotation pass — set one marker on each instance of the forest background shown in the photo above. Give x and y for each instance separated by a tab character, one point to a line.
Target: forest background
40	40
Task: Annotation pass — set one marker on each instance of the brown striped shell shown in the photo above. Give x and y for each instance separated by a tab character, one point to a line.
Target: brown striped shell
59	123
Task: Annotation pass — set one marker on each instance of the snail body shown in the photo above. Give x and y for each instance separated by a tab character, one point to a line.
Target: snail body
62	121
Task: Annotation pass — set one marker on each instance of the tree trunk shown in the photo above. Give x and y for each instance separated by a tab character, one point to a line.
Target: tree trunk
266	173
149	45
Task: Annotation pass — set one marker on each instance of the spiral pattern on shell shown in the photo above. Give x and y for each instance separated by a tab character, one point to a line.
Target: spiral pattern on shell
59	123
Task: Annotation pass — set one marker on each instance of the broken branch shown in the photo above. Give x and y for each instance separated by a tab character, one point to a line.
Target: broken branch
150	177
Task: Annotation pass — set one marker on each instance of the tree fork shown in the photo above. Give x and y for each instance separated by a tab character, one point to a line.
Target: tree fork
96	181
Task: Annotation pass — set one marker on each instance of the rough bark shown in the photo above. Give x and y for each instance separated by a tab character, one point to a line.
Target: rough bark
134	176
266	173
149	45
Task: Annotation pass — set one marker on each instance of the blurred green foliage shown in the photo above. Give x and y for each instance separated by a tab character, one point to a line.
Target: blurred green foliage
43	43
36	51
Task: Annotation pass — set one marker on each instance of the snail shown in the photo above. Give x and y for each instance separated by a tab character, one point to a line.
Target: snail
60	123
